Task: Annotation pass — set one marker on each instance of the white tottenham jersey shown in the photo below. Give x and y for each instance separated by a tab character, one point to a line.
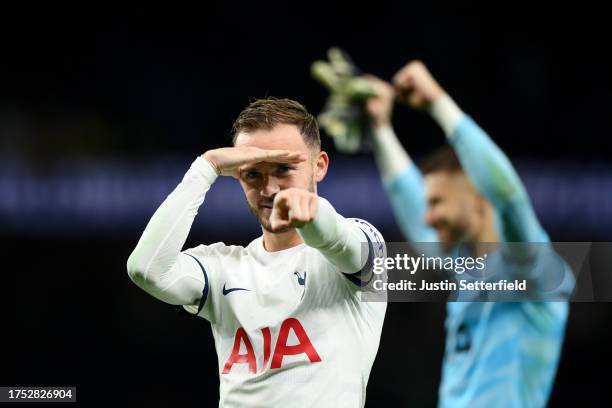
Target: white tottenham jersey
290	329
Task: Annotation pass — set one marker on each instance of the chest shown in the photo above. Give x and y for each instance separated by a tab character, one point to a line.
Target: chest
255	295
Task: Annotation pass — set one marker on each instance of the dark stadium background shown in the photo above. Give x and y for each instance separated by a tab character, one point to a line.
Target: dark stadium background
100	117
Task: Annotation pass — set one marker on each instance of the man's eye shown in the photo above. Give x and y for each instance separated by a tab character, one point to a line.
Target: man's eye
283	169
251	175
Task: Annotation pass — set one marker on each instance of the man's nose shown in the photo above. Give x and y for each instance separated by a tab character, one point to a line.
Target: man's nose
270	187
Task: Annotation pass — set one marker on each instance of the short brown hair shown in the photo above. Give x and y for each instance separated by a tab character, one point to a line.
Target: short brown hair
443	159
269	112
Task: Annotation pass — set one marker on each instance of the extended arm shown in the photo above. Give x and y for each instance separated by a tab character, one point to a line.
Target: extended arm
340	239
156	265
401	178
491	172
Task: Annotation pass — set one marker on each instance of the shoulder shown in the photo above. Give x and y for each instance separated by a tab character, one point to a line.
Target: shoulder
218	249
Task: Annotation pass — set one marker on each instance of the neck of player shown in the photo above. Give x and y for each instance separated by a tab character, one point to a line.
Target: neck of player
274	242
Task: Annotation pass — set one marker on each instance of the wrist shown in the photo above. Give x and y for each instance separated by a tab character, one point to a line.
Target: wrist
390	155
446	113
317	232
202	169
207	156
381	123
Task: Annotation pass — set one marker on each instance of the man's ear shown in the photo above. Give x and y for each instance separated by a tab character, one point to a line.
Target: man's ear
321	165
483	204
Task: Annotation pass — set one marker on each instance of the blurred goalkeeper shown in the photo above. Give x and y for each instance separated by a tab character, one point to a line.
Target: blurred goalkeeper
498	354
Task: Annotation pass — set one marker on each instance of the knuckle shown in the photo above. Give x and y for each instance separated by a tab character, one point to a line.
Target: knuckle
416	64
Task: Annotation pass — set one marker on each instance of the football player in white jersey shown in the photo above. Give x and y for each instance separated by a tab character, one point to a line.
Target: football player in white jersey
290	329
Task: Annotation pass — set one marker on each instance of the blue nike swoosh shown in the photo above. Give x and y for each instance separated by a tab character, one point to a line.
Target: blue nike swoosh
226	291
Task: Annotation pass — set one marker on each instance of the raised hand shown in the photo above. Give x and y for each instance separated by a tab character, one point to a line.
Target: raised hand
380	107
293	208
227	160
416	86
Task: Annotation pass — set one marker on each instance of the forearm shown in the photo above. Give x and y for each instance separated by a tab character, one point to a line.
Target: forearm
483	161
338	239
155	265
391	157
407	197
491	172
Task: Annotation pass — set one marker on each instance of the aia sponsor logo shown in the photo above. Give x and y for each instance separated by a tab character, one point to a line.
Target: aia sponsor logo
281	348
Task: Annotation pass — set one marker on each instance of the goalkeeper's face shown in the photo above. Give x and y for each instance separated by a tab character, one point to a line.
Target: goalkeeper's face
261	181
455	209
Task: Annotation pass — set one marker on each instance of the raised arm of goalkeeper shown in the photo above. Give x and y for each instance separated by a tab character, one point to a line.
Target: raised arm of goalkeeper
488	168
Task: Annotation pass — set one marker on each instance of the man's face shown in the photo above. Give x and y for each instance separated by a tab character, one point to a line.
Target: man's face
454	207
261	181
